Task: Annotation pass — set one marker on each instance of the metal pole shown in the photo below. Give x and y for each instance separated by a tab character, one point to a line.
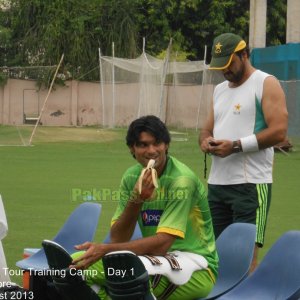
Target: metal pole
163	77
101	87
113	79
202	87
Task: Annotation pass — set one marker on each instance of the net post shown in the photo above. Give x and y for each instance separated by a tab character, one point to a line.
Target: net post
202	87
113	85
101	87
45	101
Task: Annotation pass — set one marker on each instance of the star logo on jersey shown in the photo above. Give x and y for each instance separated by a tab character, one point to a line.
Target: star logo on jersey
237	109
218	48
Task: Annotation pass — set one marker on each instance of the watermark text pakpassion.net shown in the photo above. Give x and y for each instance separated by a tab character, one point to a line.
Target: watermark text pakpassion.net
106	194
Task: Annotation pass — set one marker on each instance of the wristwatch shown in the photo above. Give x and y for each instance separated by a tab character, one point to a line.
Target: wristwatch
236	147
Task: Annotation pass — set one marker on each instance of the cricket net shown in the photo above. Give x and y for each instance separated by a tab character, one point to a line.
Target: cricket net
179	93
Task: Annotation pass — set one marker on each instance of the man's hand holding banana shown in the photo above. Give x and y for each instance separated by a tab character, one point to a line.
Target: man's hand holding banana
147	181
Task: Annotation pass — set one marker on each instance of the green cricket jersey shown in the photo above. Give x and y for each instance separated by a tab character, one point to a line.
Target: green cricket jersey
179	206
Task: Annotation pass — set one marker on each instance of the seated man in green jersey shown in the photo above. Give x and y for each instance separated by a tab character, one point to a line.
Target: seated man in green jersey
171	210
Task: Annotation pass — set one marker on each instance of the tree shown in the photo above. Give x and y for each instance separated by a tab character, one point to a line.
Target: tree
45	29
276	22
118	25
38	32
191	24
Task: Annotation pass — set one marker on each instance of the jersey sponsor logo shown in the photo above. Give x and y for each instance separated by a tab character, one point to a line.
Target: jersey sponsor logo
151	217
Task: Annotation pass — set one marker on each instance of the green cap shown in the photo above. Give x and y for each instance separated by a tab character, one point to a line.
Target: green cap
223	48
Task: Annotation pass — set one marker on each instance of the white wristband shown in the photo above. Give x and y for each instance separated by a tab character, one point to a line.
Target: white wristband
249	143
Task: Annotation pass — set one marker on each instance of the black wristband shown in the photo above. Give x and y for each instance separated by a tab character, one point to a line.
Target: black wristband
236	147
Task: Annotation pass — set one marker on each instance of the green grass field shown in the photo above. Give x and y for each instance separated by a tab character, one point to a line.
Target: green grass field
37	182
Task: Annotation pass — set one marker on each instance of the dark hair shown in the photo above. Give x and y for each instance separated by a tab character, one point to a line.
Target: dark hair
240	52
150	124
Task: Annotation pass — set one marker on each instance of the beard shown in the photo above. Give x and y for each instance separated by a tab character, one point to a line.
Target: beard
235	77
